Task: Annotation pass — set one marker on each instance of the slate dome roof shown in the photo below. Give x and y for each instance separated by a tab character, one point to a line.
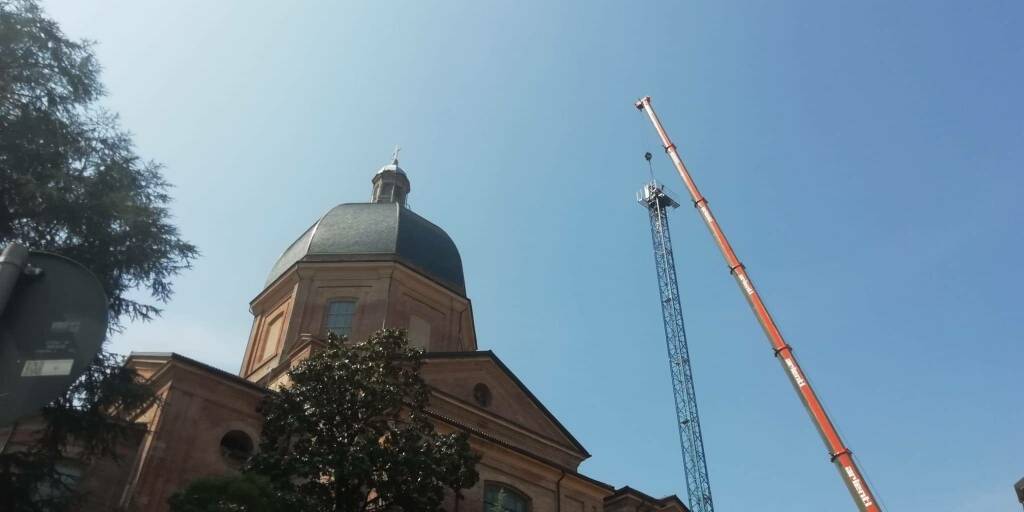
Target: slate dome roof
377	232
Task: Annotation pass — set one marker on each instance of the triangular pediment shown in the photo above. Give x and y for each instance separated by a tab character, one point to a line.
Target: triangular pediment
504	410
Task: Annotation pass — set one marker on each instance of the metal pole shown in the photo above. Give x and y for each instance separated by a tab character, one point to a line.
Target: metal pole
12	264
839	454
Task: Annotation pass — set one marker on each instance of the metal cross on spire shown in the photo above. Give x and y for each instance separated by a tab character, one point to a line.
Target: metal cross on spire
394	157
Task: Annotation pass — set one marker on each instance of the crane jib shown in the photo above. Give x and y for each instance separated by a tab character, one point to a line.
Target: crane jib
839	454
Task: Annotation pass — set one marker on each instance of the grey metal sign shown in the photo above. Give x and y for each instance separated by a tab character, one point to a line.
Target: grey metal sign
52	327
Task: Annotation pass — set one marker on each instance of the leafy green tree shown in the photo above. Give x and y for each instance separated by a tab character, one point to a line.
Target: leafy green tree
71	183
70	180
230	493
351	433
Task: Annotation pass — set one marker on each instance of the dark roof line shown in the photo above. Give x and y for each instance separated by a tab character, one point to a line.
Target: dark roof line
499	442
203	366
519	383
430	355
622	491
449	355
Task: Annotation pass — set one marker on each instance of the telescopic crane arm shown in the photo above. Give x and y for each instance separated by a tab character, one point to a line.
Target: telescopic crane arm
839	453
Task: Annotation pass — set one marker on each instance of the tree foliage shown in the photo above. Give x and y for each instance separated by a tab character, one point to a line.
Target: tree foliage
248	492
351	433
70	179
72	183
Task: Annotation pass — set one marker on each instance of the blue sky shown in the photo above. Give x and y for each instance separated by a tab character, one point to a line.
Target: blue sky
864	158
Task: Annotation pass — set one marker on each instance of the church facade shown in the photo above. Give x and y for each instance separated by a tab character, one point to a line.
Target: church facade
360	267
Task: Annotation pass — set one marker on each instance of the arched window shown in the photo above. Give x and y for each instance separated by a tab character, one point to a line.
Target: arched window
236	447
338	318
482	394
502	498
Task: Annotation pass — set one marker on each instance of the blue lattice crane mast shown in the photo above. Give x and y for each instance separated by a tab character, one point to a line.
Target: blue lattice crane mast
698	487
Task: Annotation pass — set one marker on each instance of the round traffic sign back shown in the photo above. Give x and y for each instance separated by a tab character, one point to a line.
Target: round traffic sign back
51	329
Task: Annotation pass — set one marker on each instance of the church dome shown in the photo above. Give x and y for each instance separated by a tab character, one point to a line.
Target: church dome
377	232
384	229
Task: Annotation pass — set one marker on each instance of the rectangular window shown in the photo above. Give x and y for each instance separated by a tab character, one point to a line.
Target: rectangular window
419	332
339	317
272	337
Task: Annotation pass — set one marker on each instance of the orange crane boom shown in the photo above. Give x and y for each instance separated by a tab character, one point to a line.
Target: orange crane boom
839	454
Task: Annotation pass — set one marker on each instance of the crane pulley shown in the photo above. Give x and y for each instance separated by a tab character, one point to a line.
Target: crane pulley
839	454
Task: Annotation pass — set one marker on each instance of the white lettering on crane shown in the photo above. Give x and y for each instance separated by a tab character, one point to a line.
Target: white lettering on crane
858	486
747	287
706	213
800	382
